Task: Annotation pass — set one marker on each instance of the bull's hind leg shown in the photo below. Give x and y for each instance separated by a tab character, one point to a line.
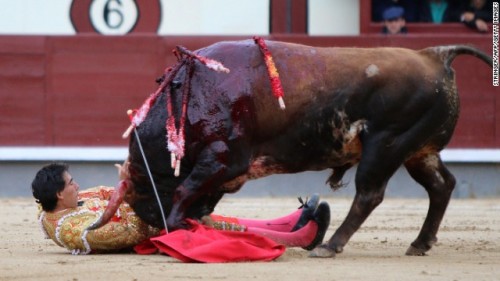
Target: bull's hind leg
372	175
429	171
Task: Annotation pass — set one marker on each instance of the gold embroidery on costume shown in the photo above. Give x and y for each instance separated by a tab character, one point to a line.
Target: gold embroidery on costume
222	225
68	227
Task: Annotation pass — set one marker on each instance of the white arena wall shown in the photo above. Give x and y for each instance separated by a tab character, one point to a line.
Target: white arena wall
182	17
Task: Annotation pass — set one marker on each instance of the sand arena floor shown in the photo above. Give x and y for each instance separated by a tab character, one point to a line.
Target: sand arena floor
468	247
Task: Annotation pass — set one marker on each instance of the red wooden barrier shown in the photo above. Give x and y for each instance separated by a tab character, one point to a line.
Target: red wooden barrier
74	90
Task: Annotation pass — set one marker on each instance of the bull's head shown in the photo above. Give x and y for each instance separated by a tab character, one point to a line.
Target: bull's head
161	116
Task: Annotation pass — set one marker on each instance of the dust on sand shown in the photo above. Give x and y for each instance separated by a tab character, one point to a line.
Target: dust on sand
468	247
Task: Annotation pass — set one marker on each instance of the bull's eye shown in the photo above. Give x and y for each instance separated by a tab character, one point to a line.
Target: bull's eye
175	84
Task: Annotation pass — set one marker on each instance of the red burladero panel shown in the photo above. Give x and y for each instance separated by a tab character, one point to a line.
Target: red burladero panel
75	90
22	91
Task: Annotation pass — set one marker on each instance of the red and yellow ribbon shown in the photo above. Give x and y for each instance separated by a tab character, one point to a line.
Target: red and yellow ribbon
272	71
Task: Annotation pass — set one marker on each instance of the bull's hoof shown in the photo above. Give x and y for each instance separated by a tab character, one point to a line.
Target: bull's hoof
179	225
413	251
322	251
418	248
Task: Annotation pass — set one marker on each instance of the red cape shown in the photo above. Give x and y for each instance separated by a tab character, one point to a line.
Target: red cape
205	244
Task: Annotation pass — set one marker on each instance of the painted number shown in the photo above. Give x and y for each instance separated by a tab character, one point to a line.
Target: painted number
113	17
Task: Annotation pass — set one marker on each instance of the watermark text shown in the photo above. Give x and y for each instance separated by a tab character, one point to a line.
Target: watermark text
495	43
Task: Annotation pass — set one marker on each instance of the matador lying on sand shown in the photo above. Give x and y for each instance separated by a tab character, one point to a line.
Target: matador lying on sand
66	212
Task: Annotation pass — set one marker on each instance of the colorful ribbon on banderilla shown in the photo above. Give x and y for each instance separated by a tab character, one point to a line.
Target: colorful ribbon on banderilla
272	71
175	136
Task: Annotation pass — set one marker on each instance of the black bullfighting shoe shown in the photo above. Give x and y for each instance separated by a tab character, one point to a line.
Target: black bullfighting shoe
308	209
322	218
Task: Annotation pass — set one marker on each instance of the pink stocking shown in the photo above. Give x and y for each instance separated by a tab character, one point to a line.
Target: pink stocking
299	238
283	224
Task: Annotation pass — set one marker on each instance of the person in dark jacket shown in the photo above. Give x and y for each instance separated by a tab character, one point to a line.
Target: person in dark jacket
439	11
477	13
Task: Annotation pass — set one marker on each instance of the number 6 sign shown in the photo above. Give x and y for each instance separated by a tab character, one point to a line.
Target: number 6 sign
115	17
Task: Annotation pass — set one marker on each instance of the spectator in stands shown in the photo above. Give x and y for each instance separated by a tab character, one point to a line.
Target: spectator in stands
410	7
439	11
394	21
477	13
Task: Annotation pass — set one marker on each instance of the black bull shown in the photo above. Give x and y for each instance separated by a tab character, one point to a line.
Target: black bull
379	108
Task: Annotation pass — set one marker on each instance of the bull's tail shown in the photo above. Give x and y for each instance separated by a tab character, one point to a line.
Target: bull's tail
449	53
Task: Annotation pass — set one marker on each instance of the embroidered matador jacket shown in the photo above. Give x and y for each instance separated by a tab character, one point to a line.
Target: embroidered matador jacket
67	228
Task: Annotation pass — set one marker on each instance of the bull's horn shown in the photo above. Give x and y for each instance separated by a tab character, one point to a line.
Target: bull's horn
113	205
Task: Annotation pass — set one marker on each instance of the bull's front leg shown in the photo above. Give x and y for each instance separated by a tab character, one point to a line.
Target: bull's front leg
207	175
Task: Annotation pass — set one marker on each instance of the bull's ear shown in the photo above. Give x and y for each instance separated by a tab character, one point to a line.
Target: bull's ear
176	84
